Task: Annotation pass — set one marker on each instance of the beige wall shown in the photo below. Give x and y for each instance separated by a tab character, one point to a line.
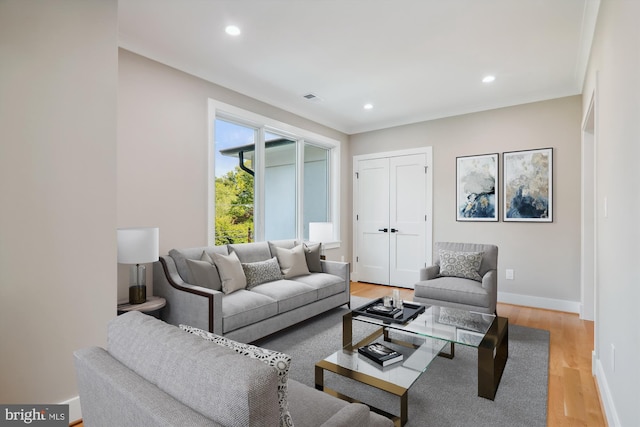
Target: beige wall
615	59
545	257
162	151
58	88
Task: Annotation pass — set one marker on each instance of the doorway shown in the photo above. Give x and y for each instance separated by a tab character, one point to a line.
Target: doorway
392	216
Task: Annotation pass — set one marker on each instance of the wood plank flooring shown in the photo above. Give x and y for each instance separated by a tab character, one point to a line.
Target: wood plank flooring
573	397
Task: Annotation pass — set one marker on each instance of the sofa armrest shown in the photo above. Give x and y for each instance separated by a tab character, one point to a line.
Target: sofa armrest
430	272
340	269
490	284
113	395
186	303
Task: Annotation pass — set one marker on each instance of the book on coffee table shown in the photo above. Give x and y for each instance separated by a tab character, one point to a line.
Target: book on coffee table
384	310
380	354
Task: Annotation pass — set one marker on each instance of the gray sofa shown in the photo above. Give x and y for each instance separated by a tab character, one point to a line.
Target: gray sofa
154	374
452	289
247	314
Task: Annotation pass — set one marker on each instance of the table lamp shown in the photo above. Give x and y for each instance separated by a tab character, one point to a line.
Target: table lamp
321	232
137	246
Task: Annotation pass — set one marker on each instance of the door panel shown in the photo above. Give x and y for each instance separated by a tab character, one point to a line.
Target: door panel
373	216
407	209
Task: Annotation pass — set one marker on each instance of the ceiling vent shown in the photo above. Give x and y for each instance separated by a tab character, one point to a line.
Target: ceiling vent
311	97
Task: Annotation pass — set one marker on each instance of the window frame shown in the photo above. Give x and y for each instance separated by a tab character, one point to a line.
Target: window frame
220	110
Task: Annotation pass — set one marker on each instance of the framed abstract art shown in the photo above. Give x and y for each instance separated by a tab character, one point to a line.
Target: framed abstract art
477	188
528	185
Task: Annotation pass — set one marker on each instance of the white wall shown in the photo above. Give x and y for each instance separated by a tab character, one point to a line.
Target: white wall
545	256
615	59
58	88
162	151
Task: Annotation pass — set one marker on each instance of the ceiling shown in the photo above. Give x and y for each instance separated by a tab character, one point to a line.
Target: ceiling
413	60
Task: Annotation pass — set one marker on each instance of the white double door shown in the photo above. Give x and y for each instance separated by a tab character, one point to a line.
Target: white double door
392	219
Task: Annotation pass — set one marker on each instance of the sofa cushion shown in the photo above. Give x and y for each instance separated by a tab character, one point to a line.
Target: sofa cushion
251	252
280	361
312	254
460	264
243	308
292	262
453	289
231	273
288	293
326	284
261	272
204	272
213	380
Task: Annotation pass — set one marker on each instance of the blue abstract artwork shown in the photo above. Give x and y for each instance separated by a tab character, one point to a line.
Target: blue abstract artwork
477	188
528	190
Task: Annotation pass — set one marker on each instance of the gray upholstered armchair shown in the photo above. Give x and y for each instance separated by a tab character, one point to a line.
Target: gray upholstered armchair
464	275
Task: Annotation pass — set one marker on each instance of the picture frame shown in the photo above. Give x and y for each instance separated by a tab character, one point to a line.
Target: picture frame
528	185
477	188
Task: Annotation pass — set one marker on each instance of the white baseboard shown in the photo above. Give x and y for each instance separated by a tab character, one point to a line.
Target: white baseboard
539	302
75	413
605	395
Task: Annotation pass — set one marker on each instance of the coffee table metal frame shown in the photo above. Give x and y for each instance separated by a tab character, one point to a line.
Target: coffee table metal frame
493	349
493	352
429	350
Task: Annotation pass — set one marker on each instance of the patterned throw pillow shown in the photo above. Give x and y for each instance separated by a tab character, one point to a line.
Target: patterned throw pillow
261	272
280	361
460	264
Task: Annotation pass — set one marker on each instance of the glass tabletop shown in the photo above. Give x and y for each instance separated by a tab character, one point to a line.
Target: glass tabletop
444	323
403	373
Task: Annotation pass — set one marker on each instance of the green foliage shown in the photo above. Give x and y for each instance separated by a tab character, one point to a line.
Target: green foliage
234	207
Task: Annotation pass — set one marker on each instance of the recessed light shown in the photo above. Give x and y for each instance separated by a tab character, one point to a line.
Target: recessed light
368	106
488	79
232	30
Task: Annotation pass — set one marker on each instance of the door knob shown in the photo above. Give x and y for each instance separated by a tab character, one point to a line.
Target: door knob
393	230
384	230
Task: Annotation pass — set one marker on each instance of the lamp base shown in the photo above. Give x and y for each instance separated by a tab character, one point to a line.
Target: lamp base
137	294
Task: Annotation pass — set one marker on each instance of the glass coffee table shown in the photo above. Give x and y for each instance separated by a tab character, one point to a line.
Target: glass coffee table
421	334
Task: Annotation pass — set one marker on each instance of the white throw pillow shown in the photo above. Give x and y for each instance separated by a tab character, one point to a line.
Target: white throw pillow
231	273
292	262
280	361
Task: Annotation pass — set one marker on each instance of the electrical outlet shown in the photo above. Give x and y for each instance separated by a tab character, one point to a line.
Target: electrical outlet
509	274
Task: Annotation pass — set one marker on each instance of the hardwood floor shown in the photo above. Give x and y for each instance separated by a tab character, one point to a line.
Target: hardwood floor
573	398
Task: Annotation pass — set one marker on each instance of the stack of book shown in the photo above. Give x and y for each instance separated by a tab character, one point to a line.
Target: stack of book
381	354
383	310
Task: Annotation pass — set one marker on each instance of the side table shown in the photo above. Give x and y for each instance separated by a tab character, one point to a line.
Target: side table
151	306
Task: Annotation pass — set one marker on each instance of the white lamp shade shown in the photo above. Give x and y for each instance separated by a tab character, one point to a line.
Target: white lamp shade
321	232
138	245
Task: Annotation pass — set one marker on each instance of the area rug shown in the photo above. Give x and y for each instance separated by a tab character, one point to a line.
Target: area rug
446	394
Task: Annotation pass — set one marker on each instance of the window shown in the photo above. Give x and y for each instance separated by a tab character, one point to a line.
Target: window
268	180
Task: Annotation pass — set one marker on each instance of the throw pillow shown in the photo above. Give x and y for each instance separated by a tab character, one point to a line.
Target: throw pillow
292	261
204	274
312	254
261	272
231	273
460	264
280	361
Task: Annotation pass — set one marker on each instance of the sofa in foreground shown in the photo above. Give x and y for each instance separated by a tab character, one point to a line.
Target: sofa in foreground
155	374
250	290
